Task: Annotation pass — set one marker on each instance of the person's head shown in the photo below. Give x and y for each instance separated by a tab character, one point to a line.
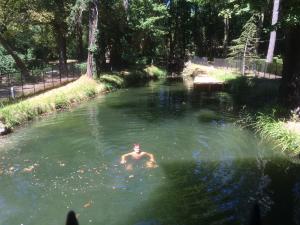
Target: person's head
137	148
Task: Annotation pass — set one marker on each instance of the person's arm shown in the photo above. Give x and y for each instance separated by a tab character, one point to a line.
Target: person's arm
151	157
151	163
123	158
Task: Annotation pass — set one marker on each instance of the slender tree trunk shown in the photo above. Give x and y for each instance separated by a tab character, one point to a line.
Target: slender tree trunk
290	82
80	50
273	33
260	27
60	29
244	58
226	34
93	24
19	63
61	43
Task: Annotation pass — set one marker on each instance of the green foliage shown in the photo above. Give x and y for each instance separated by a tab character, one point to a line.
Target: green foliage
7	64
112	81
273	68
254	92
60	98
155	72
275	131
224	76
245	45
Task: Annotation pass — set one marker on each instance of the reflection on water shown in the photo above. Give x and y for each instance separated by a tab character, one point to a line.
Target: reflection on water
210	172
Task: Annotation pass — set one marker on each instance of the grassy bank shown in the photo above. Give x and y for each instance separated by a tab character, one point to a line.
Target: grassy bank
259	97
256	100
275	130
56	99
14	114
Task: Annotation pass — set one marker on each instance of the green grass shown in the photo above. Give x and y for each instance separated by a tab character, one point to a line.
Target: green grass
223	75
56	99
112	81
155	72
274	130
13	114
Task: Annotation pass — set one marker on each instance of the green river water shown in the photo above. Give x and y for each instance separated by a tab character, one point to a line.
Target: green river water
210	172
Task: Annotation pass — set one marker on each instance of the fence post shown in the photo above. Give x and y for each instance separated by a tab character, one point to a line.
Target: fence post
22	83
59	75
12	92
43	74
67	72
52	75
73	70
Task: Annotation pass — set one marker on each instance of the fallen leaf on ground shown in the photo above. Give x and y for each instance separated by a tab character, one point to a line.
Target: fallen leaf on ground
88	204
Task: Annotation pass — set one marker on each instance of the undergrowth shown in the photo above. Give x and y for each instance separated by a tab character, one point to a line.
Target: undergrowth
272	129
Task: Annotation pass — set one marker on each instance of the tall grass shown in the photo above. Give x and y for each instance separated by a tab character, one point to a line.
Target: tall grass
56	99
274	130
155	72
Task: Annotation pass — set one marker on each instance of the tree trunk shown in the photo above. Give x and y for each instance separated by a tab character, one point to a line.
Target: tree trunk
226	34
19	63
93	24
60	29
290	82
80	50
61	43
244	58
273	33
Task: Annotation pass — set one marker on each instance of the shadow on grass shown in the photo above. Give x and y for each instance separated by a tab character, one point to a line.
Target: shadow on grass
254	92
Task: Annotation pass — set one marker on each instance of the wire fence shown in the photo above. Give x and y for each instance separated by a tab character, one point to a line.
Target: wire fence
254	67
14	84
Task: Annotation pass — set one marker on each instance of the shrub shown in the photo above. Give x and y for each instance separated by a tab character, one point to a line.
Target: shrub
155	72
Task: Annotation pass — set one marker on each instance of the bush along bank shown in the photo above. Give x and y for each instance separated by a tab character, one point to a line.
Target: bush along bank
274	128
276	131
64	97
261	95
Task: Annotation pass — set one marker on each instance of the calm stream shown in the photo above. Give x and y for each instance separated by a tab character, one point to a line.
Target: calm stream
210	172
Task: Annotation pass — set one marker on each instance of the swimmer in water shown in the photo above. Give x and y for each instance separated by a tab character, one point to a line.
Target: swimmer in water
138	154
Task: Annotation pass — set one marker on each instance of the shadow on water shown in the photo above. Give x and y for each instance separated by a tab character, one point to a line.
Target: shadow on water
228	192
171	103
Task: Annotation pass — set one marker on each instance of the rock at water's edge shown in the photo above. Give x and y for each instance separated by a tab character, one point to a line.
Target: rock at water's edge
4	129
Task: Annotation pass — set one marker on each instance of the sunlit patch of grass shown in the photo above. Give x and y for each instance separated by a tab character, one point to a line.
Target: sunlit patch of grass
223	75
155	72
56	99
274	130
112	81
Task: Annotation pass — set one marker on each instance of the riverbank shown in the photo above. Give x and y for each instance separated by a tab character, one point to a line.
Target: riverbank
256	100
15	114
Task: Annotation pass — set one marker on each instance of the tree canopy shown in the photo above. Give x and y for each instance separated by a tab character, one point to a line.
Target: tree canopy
122	33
